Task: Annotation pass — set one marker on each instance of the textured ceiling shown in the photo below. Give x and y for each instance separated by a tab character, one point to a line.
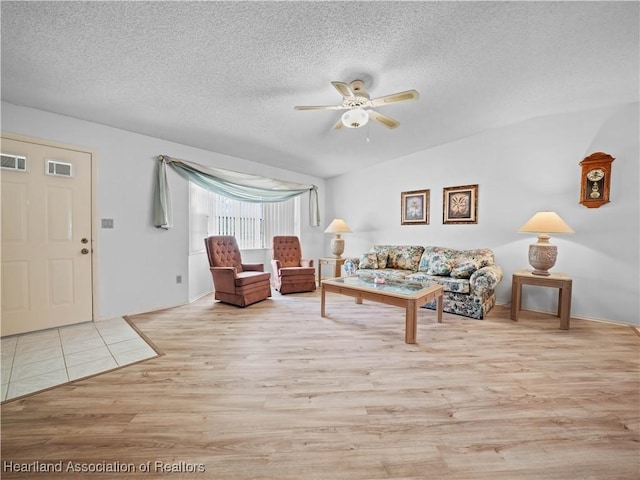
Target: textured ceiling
225	76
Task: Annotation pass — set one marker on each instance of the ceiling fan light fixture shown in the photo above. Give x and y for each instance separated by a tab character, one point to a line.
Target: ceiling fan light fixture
355	99
355	118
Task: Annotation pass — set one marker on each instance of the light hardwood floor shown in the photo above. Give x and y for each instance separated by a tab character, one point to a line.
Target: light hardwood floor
274	391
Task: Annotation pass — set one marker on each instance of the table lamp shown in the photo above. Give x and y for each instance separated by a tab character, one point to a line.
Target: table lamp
542	255
338	226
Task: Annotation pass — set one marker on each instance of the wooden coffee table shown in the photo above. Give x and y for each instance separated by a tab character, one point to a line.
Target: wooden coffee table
410	295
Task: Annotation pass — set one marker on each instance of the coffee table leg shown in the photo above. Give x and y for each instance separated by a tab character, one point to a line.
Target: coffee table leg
411	322
439	307
322	295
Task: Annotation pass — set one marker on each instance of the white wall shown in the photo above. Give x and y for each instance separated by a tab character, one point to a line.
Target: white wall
520	169
137	263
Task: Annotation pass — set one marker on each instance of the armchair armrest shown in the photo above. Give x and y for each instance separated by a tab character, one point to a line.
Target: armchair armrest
253	267
485	279
306	262
224	279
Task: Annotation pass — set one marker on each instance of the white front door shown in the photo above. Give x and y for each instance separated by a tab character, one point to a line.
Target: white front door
46	236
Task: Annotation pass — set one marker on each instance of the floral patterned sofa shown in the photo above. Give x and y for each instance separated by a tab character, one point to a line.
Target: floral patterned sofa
469	277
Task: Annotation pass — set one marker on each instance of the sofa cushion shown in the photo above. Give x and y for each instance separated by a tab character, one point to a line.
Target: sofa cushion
482	256
464	269
383	253
387	273
369	260
400	257
440	265
383	258
449	284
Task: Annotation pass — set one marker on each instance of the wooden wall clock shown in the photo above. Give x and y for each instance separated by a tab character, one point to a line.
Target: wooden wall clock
595	179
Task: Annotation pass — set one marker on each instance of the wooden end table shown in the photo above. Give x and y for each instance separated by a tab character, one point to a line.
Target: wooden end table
560	281
337	266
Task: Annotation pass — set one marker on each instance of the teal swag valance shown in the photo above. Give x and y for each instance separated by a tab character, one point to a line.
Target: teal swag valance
239	186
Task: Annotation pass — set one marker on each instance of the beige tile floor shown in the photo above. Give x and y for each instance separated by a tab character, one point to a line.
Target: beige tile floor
39	360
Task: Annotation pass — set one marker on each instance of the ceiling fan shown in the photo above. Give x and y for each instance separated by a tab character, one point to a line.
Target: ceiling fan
358	105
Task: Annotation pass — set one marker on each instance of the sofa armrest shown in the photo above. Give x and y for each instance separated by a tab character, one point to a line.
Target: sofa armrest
253	267
306	262
224	279
485	279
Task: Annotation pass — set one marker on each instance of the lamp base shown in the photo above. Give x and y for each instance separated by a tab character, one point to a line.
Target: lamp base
542	273
337	246
542	256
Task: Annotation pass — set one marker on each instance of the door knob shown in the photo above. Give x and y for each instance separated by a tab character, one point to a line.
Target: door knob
84	251
84	240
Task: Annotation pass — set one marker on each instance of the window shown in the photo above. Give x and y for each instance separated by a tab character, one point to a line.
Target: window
253	224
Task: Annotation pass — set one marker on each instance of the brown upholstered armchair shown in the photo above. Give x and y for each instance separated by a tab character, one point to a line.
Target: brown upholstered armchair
292	273
235	282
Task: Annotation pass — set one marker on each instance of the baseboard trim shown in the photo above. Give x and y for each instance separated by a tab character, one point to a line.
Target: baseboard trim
579	317
202	295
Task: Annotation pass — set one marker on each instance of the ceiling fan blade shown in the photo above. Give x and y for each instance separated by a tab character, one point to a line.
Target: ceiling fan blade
321	107
383	119
395	98
344	89
338	124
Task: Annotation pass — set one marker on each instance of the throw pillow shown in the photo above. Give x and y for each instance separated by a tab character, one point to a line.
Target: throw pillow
382	259
439	266
464	269
369	260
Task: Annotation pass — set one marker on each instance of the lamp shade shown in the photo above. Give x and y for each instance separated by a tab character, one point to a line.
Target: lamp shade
543	255
354	118
338	226
546	222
